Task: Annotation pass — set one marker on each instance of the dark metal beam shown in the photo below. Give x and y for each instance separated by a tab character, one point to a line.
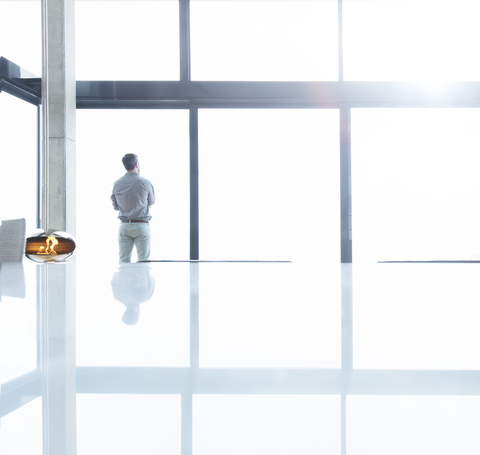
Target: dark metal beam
19	82
12	70
158	94
21	90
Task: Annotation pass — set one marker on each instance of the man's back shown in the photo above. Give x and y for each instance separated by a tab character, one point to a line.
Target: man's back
131	196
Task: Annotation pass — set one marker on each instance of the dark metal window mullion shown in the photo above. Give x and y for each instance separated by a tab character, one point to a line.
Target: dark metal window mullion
39	166
340	40
345	158
185	75
184	13
345	187
194	199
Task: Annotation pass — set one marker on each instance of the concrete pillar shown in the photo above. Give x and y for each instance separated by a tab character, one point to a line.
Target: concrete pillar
58	214
58	109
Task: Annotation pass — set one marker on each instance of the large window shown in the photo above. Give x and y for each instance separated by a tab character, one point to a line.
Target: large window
415	185
160	139
18	175
269	184
20	33
404	40
264	41
127	40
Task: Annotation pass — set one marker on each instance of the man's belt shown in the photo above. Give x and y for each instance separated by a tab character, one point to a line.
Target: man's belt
134	221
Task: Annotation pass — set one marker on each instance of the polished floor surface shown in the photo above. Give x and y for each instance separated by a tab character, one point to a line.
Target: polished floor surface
239	358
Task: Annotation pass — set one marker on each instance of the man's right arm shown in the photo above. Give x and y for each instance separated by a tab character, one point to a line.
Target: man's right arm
114	202
151	195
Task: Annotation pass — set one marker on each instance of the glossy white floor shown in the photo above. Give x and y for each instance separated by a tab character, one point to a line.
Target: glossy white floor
239	358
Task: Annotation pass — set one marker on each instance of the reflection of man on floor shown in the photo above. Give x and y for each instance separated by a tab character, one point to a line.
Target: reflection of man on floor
132	285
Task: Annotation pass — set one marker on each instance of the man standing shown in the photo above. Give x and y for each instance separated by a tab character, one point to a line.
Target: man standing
132	196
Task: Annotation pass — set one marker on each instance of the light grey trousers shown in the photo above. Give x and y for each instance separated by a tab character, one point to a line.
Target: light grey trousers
130	234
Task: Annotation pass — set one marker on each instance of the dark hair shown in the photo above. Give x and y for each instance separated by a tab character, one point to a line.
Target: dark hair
129	161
